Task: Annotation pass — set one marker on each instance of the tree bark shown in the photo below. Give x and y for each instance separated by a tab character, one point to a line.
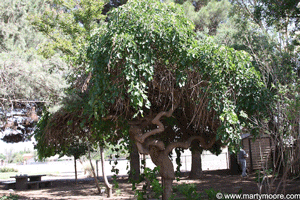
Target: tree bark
161	159
107	185
167	188
196	169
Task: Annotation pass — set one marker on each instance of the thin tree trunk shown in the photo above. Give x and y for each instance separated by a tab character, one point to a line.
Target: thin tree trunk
134	163
108	186
75	166
93	172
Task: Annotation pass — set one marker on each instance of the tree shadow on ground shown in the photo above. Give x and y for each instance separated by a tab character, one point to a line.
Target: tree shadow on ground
224	181
85	189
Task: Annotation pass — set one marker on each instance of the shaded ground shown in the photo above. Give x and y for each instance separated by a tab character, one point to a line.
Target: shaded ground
85	189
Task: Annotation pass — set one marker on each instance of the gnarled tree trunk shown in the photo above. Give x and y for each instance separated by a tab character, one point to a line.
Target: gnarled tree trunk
158	151
161	159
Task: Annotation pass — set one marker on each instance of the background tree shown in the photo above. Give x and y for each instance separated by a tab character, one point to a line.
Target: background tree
207	15
27	80
76	149
69	25
196	166
72	124
270	35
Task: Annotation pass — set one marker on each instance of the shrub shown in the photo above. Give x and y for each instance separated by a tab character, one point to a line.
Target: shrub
151	189
8	169
188	190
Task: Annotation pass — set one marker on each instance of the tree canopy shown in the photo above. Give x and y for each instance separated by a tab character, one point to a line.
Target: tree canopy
143	65
150	71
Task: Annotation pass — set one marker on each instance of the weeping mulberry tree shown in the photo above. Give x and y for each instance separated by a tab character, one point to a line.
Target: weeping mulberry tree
150	72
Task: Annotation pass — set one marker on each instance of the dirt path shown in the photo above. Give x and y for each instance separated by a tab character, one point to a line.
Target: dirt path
85	189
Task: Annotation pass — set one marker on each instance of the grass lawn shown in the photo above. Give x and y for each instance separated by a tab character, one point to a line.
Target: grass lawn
7	175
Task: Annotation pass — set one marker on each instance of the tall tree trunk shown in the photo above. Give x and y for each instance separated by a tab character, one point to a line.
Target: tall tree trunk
93	172
134	163
108	186
234	165
75	166
196	170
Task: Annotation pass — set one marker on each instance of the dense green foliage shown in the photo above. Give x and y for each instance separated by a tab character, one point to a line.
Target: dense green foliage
134	42
24	74
11	196
142	54
69	25
27	80
189	191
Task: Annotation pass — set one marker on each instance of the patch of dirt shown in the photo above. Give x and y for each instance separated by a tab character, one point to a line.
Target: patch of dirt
86	190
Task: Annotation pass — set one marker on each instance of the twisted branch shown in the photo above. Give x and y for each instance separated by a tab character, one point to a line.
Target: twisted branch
187	143
156	120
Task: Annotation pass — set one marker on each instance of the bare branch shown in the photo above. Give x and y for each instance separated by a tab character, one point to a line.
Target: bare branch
22	101
86	82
